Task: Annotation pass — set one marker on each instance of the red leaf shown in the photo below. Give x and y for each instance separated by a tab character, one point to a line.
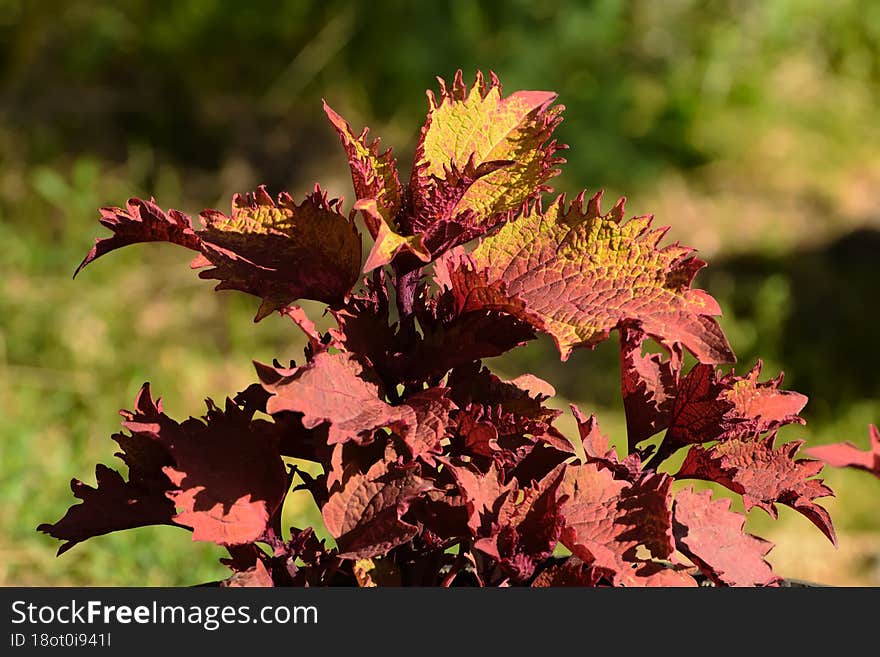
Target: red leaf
451	339
763	476
142	221
711	408
334	389
280	251
649	384
482	493
432	408
230	477
255	576
526	528
760	407
712	536
364	513
440	214
571	572
504	423
337	390
700	409
114	504
847	455
226	477
605	520
299	317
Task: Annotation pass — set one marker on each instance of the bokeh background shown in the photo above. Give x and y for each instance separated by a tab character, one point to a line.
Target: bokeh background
750	127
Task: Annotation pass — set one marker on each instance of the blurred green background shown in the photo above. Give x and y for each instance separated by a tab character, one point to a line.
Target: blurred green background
750	127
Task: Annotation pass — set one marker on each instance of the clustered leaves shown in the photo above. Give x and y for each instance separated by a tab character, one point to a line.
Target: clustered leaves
433	470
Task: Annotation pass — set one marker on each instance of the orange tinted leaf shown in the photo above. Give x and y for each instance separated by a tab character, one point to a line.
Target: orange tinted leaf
577	274
373	175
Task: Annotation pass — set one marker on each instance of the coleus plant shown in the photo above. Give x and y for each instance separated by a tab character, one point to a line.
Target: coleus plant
433	470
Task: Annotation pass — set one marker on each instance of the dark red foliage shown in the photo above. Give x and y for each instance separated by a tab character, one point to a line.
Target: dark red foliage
430	469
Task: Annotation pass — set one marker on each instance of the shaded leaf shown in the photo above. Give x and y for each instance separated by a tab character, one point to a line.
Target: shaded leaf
141	221
649	384
225	476
364	514
527	528
279	252
571	572
230	477
700	410
114	504
847	455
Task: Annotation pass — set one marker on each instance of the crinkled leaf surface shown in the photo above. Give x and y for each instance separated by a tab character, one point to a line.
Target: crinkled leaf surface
373	174
712	536
526	528
649	384
482	492
605	520
334	389
364	514
700	408
481	156
431	408
281	251
760	407
278	251
847	455
708	407
484	124
763	475
576	274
